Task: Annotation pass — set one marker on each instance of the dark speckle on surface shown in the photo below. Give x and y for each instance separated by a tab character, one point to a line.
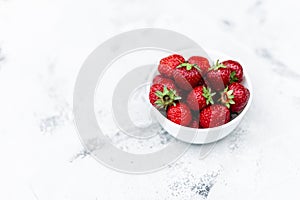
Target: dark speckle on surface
49	123
278	66
82	154
165	137
59	112
264	53
227	22
192	186
256	7
203	186
93	145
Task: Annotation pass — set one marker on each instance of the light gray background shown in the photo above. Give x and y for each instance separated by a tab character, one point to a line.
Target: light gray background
44	43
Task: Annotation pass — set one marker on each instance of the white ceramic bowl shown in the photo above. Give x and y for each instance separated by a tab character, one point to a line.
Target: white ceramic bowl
208	135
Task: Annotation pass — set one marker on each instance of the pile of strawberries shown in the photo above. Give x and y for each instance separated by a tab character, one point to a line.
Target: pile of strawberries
194	94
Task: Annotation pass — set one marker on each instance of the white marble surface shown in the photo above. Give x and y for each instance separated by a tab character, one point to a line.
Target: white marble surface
42	46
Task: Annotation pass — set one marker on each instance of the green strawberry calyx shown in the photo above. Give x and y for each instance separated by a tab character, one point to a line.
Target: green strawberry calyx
189	66
217	66
208	95
227	97
166	98
233	77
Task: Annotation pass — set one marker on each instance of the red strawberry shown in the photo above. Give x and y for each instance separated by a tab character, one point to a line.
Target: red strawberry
158	79
218	76
165	81
201	62
214	115
235	97
179	114
187	76
200	97
161	96
168	64
236	70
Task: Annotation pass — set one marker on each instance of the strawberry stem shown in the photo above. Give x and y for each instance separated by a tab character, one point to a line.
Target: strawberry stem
217	66
189	66
227	97
166	98
208	95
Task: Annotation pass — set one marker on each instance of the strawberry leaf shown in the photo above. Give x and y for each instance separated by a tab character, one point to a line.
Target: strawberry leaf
229	92
166	98
197	67
227	97
177	98
188	66
233	77
231	102
227	105
217	66
208	95
165	90
159	94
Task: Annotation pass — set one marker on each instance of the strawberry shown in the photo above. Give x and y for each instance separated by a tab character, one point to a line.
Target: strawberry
165	81
236	70
162	96
168	64
179	114
201	62
200	97
187	76
235	97
214	115
218	76
158	79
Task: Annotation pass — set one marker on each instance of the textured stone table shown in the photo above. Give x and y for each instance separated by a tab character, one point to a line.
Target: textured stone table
42	46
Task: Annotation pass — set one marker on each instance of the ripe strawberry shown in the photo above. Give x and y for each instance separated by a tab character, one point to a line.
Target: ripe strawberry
164	81
179	114
162	96
201	62
187	76
214	115
168	64
235	97
218	76
158	79
236	70
200	97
